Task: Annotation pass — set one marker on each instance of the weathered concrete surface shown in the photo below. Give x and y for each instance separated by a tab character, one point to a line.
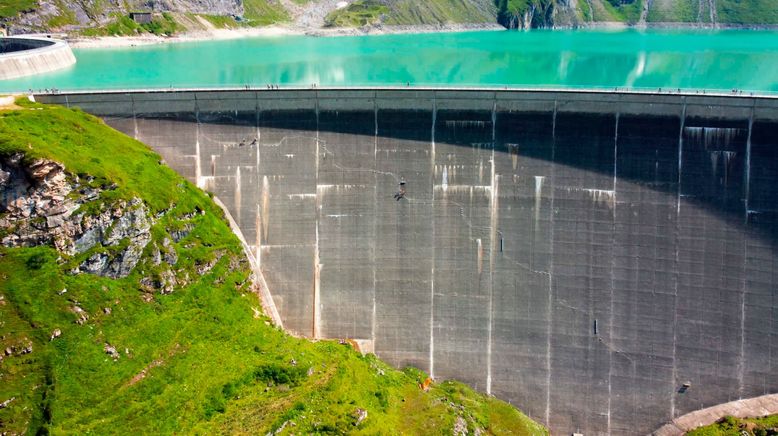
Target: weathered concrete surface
581	255
747	408
21	57
268	305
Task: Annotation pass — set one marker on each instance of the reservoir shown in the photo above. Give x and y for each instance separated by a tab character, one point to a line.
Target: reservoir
647	59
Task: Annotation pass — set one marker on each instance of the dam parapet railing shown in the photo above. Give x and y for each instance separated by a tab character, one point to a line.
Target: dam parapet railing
732	105
467	87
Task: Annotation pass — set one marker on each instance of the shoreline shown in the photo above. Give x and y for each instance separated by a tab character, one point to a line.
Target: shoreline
273	31
84	42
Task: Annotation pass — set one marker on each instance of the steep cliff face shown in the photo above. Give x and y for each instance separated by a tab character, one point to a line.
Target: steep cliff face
526	14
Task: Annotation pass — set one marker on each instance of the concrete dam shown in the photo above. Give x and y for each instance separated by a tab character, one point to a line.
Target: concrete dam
604	261
20	57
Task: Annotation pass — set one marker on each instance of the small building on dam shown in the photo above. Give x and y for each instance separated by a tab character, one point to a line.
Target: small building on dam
603	261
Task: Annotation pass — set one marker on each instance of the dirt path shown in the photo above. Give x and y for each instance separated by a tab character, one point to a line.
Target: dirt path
205	23
8	103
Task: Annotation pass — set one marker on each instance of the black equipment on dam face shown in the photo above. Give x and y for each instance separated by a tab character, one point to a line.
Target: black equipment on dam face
603	261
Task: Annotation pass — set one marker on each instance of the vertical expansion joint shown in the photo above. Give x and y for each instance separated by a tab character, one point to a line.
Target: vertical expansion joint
316	261
493	221
615	163
316	108
494	121
374	315
553	125
680	145
612	265
747	174
432	271
434	121
674	373
744	283
134	117
550	299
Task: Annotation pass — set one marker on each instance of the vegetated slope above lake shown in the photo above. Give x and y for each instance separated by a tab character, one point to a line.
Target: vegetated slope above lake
127	305
731	426
110	18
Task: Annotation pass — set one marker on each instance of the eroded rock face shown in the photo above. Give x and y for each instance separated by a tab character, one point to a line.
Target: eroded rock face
34	200
92	14
124	222
40	204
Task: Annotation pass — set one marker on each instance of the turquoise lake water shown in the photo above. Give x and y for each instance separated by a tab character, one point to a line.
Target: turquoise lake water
687	59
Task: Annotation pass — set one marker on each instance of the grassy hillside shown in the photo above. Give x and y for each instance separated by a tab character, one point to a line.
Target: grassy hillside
408	12
11	8
440	12
161	24
675	11
357	14
747	12
731	426
264	12
201	359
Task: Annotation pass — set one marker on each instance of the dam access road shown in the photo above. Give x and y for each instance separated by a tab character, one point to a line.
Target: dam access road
605	261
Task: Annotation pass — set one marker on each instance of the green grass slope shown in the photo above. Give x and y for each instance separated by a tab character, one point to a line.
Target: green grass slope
747	11
357	14
201	360
731	426
440	12
673	11
410	12
122	25
264	12
12	8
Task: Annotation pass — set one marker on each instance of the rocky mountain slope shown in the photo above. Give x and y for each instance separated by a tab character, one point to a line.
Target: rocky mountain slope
127	305
109	17
581	13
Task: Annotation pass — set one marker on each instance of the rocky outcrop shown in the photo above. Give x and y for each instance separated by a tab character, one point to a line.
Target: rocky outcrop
78	14
42	204
539	14
125	223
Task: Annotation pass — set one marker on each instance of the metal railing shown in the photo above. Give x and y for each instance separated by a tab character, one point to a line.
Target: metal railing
418	87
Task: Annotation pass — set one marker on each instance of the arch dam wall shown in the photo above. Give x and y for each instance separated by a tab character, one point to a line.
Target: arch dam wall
579	254
27	56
